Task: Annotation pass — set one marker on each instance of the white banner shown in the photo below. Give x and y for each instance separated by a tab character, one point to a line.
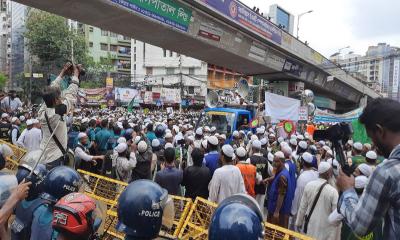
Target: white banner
396	69
303	113
281	108
125	95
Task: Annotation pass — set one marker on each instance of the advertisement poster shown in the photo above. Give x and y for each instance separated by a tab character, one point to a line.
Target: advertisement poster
125	95
170	95
110	96
92	97
246	17
169	12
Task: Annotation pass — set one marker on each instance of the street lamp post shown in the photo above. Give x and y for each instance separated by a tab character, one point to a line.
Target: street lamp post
298	20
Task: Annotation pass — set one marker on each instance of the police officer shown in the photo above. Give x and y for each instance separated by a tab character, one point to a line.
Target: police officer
237	217
33	220
141	208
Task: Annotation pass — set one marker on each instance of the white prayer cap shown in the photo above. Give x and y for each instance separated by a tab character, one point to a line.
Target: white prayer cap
204	144
283	144
358	146
142	146
350	142
280	139
168	135
167	131
322	143
360	182
199	131
14	119
260	131
235	133
85	120
206	128
371	155
279	154
35	121
241	152
213	129
365	169
81	135
222	136
303	145
256	144
323	167
293	141
263	141
213	140
326	148
287	151
121	140
120	148
168	145
155	143
137	139
367	146
29	122
242	132
307	157
22	118
253	138
228	150
300	137
4	115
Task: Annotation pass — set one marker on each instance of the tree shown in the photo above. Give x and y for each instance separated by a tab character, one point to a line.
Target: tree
49	40
3	80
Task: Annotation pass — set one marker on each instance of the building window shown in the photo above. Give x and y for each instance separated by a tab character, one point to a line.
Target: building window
170	71
104	46
104	32
149	71
165	52
191	90
134	57
191	71
90	29
90	44
171	53
128	38
113	34
113	48
134	67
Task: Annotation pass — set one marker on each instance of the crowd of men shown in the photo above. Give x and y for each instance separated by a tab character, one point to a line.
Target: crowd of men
292	181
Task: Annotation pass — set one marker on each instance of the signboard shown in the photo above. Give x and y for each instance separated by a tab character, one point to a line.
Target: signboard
323	116
396	69
169	12
210	32
303	113
125	95
92	97
247	18
109	82
171	95
292	67
148	97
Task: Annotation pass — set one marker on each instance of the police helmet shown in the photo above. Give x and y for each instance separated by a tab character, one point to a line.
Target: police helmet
141	207
37	178
75	215
159	131
237	217
61	181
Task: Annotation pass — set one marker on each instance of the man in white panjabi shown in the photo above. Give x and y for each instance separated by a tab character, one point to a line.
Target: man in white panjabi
318	226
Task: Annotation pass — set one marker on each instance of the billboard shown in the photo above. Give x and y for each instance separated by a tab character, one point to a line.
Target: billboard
125	95
247	18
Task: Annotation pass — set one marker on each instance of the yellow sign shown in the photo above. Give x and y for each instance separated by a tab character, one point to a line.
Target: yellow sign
217	113
27	75
109	82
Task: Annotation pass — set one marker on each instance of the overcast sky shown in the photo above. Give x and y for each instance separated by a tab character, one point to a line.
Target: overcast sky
334	24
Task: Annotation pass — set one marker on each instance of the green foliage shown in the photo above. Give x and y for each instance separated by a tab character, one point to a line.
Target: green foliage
3	80
49	39
91	84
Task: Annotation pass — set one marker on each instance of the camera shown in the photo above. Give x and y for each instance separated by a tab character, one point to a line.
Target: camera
339	132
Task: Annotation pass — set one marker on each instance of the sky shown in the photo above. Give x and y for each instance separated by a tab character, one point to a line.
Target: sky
335	24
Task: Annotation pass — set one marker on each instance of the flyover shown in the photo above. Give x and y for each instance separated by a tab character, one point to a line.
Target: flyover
225	33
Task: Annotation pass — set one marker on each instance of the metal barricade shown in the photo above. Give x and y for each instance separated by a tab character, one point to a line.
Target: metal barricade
12	162
273	232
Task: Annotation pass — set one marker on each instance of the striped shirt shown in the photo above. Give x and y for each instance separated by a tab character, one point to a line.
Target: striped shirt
380	200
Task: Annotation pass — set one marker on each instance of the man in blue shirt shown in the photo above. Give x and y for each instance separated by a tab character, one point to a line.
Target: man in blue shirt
102	137
170	177
212	158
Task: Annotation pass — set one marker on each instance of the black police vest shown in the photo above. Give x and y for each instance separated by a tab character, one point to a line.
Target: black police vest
21	226
4	130
10	135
